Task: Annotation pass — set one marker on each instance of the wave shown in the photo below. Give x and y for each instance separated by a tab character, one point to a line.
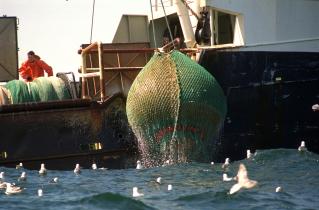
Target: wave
113	201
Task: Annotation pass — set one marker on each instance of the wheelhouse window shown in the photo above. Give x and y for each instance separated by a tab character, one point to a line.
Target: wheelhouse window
227	28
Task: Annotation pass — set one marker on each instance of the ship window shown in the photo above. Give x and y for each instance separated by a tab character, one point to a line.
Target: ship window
226	28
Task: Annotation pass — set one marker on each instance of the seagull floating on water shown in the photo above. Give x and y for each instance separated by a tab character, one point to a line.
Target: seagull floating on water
3	185
302	147
20	166
43	170
1	175
23	176
139	165
77	169
249	154
315	107
243	180
54	180
40	192
226	164
169	187
159	180
226	178
94	166
136	193
278	189
11	189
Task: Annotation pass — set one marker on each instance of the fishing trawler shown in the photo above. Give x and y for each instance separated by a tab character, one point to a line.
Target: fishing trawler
263	54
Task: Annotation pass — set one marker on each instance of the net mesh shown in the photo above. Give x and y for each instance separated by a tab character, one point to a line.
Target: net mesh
41	89
19	91
60	88
175	107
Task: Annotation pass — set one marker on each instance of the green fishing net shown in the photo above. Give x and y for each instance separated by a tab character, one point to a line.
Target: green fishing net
60	88
45	89
41	89
19	91
175	107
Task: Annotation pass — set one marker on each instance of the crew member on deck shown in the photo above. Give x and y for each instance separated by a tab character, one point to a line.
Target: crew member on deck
34	67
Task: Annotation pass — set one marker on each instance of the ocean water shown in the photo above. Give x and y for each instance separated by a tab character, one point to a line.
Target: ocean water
195	186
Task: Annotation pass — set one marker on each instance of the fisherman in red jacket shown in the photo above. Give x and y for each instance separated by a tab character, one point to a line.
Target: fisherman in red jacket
34	67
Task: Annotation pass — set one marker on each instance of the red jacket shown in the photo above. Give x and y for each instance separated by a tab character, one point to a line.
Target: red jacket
31	70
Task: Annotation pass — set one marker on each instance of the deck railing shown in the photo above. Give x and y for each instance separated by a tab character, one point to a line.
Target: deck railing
120	68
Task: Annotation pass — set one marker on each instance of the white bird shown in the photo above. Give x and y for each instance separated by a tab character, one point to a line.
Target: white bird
94	166
159	180
3	185
139	165
315	107
2	175
77	169
226	164
278	189
40	192
20	166
249	154
226	178
166	163
11	189
23	176
169	187
43	170
243	180
54	180
136	193
212	163
302	147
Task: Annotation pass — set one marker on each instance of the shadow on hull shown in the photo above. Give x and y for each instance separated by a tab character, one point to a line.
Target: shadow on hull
269	99
63	133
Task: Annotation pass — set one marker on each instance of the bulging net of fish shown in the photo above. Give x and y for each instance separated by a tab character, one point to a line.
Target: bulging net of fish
175	107
41	89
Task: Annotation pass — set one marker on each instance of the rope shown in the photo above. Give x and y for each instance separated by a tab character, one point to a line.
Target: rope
190	9
169	28
92	21
154	37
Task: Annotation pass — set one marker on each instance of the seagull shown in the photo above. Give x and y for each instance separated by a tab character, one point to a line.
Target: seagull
278	189
94	166
3	185
159	180
302	147
1	175
20	166
136	193
226	164
169	187
243	180
249	154
77	169
226	178
139	165
315	107
11	189
23	177
40	192
43	170
54	180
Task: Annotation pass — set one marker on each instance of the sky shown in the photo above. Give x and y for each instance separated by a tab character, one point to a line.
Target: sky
55	29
